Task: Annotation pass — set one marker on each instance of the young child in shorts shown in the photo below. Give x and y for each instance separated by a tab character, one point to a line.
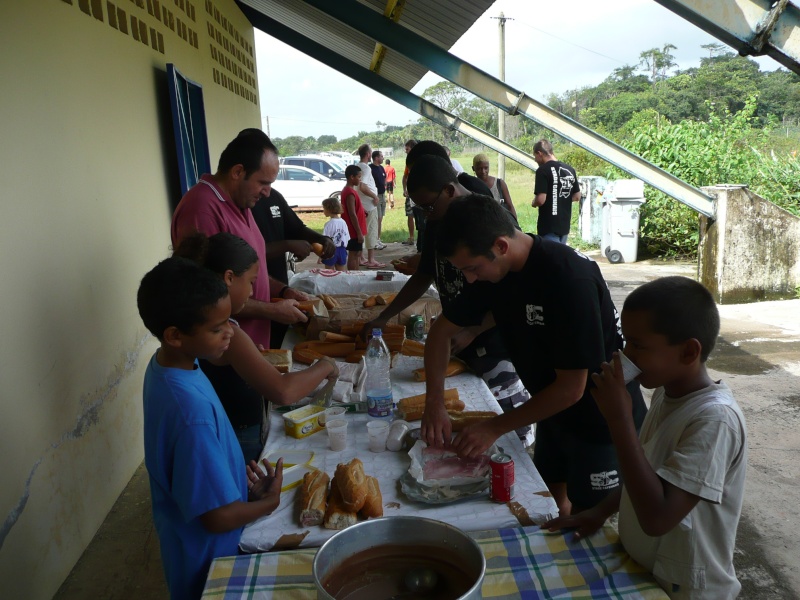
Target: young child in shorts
337	230
354	216
203	493
684	474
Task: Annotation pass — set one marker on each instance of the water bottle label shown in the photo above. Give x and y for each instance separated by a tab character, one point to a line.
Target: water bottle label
379	406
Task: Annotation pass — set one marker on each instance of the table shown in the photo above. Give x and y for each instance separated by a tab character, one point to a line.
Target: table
532	502
325	281
520	563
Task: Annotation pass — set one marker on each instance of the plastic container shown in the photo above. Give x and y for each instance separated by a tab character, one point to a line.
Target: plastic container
377	432
379	383
302	422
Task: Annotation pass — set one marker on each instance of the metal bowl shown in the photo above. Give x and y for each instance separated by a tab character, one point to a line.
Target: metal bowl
403	531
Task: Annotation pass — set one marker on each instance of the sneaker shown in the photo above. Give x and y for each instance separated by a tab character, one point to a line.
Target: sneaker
380	245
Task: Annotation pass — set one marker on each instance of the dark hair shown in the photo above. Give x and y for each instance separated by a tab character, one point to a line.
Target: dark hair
430	172
178	293
352	170
680	309
332	205
246	149
474	222
376	154
362	150
425	147
219	253
388	162
544	147
410	143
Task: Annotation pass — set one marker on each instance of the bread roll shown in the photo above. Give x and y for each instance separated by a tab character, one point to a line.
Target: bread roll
312	498
459	420
373	506
336	515
280	359
411	408
305	357
454	367
352	484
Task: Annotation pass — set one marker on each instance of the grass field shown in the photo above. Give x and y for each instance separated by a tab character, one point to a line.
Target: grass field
520	184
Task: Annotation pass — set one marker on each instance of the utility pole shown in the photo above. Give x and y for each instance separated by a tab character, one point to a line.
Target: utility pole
501	114
267	121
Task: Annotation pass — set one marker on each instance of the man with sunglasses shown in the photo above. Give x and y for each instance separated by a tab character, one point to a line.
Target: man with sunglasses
433	184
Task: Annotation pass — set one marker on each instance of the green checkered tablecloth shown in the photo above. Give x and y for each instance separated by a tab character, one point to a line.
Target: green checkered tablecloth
524	562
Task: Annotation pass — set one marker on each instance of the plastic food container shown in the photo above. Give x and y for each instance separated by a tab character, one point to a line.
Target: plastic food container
296	463
302	422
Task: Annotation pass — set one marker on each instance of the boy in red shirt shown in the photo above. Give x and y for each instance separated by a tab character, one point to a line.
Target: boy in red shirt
354	216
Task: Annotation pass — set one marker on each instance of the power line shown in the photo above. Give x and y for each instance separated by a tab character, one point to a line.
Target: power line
572	43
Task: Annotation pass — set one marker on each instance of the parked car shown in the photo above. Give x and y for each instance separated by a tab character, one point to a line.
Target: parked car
324	165
305	188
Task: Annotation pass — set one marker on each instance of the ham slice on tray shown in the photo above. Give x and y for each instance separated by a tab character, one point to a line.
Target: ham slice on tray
438	463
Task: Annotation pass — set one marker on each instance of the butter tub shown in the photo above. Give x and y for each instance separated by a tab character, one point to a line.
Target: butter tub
303	421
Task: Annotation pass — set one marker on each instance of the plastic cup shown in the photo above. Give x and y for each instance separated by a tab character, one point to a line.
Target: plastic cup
337	434
334	412
629	370
378	432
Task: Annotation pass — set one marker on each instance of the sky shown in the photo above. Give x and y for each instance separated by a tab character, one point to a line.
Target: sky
551	47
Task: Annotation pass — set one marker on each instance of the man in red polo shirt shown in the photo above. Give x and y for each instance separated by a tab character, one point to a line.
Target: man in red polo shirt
222	202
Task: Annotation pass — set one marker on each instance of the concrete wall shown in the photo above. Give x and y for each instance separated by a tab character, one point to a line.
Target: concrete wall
751	251
88	186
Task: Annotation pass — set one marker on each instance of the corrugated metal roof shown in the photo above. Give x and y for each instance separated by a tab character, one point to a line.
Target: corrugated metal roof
442	22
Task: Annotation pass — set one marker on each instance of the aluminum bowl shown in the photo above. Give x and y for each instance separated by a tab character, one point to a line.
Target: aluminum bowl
406	531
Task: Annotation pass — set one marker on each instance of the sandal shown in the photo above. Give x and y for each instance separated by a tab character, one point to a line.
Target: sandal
374	265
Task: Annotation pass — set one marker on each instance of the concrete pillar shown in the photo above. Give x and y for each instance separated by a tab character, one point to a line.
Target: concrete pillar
751	251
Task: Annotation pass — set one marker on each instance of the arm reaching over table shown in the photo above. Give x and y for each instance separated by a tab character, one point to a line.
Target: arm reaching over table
586	522
436	426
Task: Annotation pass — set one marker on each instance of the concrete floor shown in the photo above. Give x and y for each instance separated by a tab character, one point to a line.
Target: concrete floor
758	356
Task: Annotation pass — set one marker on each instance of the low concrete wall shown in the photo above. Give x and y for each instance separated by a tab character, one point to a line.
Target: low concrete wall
751	251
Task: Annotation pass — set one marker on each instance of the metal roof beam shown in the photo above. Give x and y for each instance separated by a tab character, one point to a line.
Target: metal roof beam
752	27
391	90
363	19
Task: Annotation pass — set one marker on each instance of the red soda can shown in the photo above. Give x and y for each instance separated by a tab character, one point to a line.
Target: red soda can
502	489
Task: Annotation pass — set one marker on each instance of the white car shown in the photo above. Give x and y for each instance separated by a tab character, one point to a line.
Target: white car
304	188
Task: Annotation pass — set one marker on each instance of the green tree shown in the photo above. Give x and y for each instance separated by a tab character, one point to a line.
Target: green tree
656	62
324	141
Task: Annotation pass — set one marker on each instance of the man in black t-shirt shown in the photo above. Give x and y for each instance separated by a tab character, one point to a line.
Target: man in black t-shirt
555	190
379	175
556	318
433	184
284	232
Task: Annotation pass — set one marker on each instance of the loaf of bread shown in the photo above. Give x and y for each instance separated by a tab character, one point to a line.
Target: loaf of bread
337	516
454	367
411	408
373	506
412	348
306	357
280	359
313	498
352	484
460	419
329	301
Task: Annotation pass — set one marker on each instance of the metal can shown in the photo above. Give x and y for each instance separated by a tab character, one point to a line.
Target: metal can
502	489
415	327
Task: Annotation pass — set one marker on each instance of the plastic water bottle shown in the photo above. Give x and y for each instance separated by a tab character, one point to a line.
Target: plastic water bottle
379	384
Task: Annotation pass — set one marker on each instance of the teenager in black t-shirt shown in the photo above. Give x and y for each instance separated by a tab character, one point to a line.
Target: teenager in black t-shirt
555	190
556	317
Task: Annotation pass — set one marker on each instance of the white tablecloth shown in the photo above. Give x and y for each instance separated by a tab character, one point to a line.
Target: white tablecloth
325	281
473	514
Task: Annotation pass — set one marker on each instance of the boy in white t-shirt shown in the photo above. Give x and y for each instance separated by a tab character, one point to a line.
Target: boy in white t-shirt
684	473
336	229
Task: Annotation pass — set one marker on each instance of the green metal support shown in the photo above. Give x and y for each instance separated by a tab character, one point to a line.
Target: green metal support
384	86
752	27
361	18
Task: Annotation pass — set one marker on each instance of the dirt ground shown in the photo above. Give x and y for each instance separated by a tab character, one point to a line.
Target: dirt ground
758	356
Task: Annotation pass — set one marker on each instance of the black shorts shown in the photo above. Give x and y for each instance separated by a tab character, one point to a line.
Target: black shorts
354	245
590	469
390	186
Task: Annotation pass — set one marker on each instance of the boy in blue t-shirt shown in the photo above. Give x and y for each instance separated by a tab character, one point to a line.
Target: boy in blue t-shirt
202	492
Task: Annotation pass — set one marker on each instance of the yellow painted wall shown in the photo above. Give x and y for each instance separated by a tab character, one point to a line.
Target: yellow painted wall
88	184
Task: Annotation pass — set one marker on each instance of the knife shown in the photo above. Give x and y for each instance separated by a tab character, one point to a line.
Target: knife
324	396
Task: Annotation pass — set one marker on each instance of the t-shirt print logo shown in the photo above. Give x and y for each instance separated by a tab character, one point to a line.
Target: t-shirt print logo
534	314
276	212
604	480
566	181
